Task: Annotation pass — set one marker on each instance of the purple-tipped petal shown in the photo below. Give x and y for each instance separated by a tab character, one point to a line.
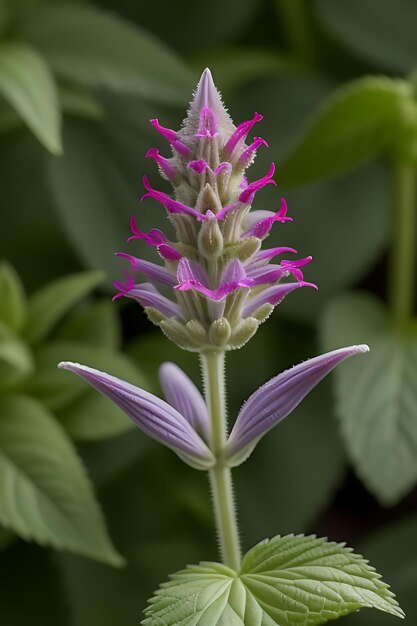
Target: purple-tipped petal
181	393
273	295
157	239
261	222
208	123
191	276
172	137
277	398
152	271
147	295
164	164
248	154
171	205
155	417
241	132
248	194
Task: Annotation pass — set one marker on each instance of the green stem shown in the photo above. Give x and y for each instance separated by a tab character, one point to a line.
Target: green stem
402	269
220	475
296	19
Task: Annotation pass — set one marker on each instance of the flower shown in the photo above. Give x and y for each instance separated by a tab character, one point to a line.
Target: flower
214	273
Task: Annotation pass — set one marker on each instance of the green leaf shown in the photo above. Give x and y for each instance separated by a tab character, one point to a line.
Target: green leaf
16	361
79	102
376	399
12	298
381	33
28	85
356	124
67	394
48	305
46	495
96	323
286	580
393	549
109	52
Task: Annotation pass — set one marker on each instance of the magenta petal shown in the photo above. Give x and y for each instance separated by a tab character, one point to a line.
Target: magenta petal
248	193
262	227
155	417
277	398
208	123
240	133
181	393
165	165
250	151
151	271
172	137
171	205
273	295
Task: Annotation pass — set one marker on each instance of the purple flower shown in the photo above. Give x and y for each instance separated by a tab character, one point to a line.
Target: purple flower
276	399
213	269
174	424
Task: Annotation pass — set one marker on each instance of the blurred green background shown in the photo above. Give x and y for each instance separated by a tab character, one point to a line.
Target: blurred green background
79	82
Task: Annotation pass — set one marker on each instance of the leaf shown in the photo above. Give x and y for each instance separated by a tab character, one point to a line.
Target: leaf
377	399
359	122
119	56
16	361
344	223
48	305
12	298
57	389
393	549
28	85
96	323
46	495
381	33
286	580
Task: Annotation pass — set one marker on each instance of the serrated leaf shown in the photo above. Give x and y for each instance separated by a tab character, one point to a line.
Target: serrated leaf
12	298
45	493
28	85
119	56
381	33
48	305
377	401
96	323
291	580
57	389
357	123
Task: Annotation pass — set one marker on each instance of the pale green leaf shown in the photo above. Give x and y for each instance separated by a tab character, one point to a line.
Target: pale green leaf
359	122
96	323
289	580
96	48
381	33
12	298
28	85
48	305
377	399
16	362
45	494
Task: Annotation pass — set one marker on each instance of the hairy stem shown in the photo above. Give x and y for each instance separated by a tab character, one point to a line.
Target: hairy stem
221	476
402	266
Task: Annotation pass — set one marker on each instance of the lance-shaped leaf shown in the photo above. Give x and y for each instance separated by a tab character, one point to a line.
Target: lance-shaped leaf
155	417
183	395
274	400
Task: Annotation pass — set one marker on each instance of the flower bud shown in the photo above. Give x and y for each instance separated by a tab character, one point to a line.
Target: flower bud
220	331
210	239
196	332
263	313
176	332
243	332
154	316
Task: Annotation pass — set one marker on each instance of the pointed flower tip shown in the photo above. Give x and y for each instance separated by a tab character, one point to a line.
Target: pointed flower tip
361	348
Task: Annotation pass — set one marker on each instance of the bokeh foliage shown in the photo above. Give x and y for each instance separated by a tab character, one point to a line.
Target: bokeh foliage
78	83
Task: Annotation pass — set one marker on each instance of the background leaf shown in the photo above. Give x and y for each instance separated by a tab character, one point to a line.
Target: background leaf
27	83
358	123
381	33
96	323
12	298
49	496
376	400
49	304
119	56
